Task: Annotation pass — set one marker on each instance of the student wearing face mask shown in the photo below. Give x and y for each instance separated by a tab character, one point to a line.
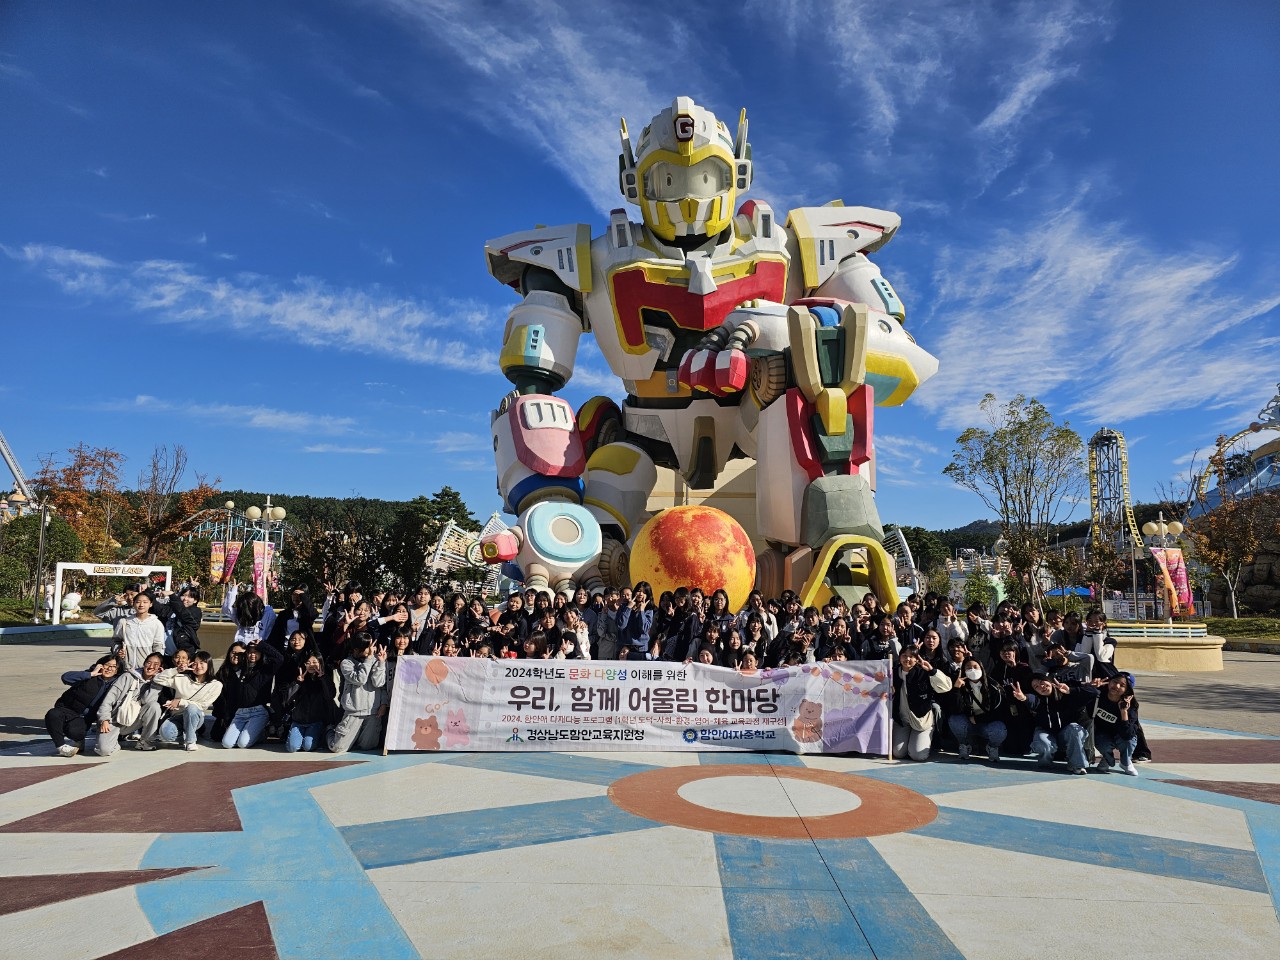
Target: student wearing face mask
977	702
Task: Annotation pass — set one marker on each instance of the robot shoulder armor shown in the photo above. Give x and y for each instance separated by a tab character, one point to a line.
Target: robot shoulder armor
827	235
564	250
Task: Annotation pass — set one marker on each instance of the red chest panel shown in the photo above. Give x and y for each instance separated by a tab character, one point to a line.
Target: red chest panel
637	288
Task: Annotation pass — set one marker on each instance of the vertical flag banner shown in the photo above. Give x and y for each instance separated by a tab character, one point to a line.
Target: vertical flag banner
260	569
217	558
233	554
271	579
1161	557
1175	568
452	703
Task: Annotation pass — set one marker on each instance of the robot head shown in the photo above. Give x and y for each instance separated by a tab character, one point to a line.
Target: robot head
686	172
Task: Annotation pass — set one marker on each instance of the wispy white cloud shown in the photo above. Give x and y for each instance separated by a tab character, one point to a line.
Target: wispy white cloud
560	75
99	172
333	448
1095	321
900	455
234	415
130	217
459	442
306	310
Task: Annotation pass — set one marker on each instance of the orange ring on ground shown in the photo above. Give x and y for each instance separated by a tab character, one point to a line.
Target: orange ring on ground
885	807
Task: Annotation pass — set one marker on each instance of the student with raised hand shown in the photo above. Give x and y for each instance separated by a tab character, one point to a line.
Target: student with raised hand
977	704
1115	724
1062	715
248	691
132	705
253	618
68	719
916	686
194	692
139	636
308	703
364	673
181	616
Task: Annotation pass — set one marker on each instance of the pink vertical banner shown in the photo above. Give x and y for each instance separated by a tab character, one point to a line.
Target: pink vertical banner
233	554
217	560
260	569
1161	557
273	582
1176	566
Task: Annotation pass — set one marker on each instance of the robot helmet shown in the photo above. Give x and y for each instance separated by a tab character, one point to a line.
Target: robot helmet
686	172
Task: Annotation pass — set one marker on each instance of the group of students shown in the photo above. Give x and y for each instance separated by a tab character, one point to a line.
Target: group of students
1017	682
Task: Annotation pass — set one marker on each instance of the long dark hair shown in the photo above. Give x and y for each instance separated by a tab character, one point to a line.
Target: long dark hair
227	671
248	608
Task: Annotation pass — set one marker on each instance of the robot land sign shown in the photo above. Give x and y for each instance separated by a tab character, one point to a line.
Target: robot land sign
684	127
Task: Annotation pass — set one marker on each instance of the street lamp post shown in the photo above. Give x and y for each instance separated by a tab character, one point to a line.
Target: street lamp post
45	509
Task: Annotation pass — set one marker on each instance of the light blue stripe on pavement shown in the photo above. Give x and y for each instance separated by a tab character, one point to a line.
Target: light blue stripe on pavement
894	922
574	768
751	757
1180	859
782	903
395	842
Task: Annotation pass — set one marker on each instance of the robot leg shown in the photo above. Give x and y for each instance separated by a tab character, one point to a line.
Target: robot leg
620	477
814	498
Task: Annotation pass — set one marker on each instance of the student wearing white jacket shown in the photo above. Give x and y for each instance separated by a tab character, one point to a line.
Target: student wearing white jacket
194	692
140	635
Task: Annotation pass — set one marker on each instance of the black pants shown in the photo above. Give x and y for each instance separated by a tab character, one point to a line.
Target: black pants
65	725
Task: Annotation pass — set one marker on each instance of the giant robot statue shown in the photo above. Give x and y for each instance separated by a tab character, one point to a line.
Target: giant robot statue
735	336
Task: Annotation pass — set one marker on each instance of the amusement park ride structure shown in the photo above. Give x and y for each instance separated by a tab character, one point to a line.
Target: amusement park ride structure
1110	509
1265	467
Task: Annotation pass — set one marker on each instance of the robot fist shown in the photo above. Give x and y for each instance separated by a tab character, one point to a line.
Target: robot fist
714	371
500	547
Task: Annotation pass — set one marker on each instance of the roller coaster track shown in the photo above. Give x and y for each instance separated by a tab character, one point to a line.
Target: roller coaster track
1268	419
1110	509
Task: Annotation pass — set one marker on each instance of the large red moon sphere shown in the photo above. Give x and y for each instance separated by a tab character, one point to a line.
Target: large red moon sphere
695	547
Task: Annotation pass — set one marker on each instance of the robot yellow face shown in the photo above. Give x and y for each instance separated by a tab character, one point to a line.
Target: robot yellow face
687	172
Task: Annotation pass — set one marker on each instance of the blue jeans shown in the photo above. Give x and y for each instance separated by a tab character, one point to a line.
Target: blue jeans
1107	742
1071	738
963	729
303	736
191	717
246	727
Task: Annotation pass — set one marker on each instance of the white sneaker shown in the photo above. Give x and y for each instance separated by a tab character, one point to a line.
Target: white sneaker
1130	769
190	747
964	751
67	750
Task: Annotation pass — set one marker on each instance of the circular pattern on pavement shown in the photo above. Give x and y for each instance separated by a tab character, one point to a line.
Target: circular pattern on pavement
800	803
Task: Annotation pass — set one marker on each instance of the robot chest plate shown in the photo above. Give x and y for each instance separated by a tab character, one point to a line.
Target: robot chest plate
658	293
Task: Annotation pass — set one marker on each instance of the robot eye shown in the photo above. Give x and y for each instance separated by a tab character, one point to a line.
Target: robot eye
668	180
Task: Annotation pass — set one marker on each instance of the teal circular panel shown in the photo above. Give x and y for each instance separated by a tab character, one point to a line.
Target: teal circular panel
563	532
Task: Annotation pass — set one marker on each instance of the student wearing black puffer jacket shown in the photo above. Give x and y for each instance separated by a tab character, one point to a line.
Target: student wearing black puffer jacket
248	691
308	701
68	720
1115	724
977	702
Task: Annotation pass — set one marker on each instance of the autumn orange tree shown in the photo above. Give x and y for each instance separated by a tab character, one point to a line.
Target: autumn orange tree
163	513
85	492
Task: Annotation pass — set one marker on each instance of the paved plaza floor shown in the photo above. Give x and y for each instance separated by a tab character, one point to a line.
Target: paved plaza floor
260	853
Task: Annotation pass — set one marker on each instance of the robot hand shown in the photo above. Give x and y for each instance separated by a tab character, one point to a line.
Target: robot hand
715	370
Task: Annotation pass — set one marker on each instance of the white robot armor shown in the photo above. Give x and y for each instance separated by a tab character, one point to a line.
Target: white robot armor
734	336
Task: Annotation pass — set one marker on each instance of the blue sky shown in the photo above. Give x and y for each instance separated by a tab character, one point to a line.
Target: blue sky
257	229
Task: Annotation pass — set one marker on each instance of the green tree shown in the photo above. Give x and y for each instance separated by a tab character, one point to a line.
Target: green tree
19	551
979	589
1227	538
1029	470
417	527
927	549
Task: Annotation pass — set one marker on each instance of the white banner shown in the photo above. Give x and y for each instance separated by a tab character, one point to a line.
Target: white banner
449	703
